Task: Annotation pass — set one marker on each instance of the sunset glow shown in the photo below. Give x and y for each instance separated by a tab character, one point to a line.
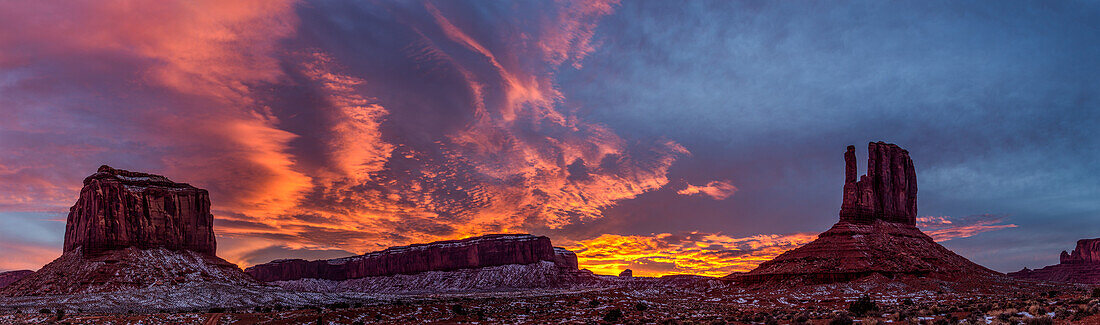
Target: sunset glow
679	141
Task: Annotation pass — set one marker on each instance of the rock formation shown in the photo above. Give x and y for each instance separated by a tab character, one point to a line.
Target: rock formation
1080	266
1086	252
119	209
131	230
876	233
10	277
887	192
475	252
627	273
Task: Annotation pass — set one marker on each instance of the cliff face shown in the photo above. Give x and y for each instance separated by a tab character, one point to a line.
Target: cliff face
887	192
119	209
476	252
1080	266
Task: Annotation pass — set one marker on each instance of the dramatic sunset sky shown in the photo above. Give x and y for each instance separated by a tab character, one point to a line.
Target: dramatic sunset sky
701	137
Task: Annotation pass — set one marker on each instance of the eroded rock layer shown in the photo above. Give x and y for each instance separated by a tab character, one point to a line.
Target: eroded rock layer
119	209
876	233
475	252
1080	266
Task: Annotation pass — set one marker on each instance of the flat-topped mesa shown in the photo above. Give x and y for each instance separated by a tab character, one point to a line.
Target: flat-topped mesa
119	209
887	192
1087	251
474	252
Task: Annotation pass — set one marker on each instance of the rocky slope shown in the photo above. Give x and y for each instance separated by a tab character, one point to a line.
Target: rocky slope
131	230
119	209
542	274
876	234
469	253
10	277
1080	266
126	269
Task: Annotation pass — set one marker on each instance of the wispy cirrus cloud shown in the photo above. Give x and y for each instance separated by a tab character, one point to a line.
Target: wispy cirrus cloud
944	228
718	190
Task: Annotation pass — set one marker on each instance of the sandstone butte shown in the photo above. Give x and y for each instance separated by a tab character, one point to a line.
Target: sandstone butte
876	234
119	209
131	230
474	252
1080	266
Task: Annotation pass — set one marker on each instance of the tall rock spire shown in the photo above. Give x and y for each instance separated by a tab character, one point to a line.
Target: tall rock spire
887	192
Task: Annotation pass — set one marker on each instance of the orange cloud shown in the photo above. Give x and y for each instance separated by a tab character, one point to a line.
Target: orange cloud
689	253
443	130
519	162
25	256
718	190
944	228
205	57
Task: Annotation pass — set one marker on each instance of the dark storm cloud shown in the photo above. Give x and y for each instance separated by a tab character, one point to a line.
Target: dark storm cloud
996	102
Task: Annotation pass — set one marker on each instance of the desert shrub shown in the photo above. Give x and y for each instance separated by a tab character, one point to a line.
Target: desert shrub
801	319
841	319
594	303
903	316
1039	321
641	306
60	313
1096	292
613	315
458	309
216	310
862	306
45	311
339	305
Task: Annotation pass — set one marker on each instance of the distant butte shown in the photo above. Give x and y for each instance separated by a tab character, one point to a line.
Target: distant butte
1080	266
10	277
876	234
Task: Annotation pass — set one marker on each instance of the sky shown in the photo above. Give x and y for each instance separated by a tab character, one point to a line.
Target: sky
702	137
